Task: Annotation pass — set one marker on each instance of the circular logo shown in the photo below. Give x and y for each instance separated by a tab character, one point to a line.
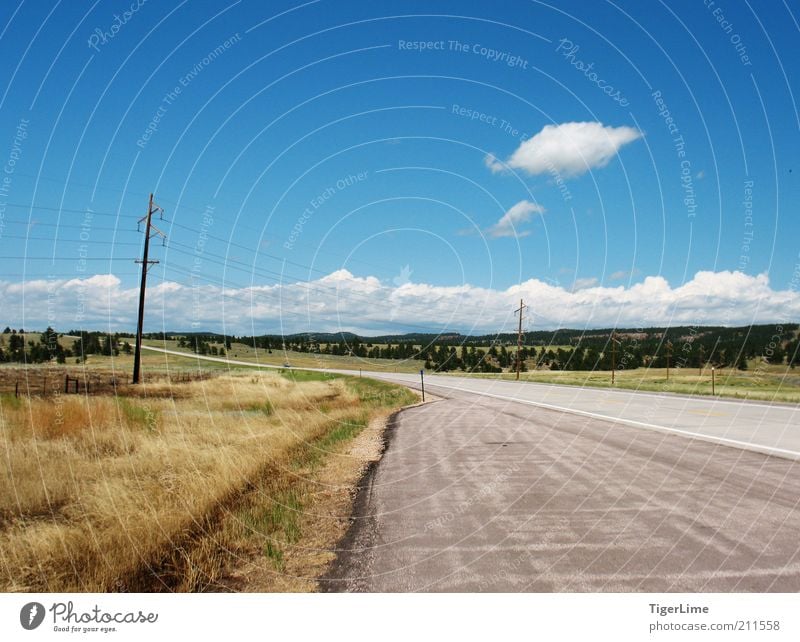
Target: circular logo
31	615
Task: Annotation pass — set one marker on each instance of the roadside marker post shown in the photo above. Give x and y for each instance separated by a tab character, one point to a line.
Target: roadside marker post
422	382
712	381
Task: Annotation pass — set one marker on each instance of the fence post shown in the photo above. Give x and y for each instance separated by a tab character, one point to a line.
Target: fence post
16	388
66	384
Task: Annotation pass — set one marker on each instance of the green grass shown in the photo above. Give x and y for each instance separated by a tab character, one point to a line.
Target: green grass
138	415
10	401
299	376
376	394
277	520
760	382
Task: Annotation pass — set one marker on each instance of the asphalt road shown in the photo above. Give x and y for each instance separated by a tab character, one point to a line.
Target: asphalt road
770	428
477	493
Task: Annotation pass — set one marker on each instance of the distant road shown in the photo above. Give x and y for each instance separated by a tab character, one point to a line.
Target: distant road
769	428
764	427
232	362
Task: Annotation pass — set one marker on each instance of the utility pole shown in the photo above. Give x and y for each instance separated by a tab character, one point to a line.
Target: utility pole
613	355
522	306
669	354
152	208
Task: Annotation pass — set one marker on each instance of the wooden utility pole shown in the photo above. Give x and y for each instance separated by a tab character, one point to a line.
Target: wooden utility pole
613	355
669	354
146	263
522	306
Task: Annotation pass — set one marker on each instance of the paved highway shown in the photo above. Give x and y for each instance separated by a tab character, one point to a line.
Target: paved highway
770	428
478	493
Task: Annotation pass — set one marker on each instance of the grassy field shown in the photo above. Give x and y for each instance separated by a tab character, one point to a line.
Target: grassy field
761	381
241	352
166	488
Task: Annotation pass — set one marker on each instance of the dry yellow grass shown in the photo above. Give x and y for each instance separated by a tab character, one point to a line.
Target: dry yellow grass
109	493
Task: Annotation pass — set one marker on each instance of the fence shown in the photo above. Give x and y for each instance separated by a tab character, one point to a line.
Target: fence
41	382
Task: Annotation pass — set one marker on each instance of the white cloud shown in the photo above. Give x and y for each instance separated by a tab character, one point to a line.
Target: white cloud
568	149
582	284
508	224
342	301
619	275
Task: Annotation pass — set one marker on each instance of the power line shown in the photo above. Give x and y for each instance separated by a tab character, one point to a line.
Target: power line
64	240
86	210
71	258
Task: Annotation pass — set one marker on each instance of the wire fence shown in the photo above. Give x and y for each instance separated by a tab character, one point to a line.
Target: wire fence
36	381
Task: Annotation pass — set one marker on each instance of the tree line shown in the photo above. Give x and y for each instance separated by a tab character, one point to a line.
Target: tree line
15	348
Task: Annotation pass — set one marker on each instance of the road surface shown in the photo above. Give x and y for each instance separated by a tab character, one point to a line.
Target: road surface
476	493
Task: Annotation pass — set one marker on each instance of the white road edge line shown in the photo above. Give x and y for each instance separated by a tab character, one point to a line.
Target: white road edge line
595	415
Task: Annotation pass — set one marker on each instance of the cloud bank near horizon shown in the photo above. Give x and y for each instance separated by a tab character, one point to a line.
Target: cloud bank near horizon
343	301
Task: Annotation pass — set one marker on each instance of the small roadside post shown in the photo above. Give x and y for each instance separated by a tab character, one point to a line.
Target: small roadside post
712	381
422	381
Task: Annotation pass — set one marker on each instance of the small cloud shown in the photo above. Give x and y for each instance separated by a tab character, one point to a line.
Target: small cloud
568	149
582	284
508	223
493	163
623	274
700	175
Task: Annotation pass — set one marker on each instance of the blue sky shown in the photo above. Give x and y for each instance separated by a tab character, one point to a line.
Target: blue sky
401	165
